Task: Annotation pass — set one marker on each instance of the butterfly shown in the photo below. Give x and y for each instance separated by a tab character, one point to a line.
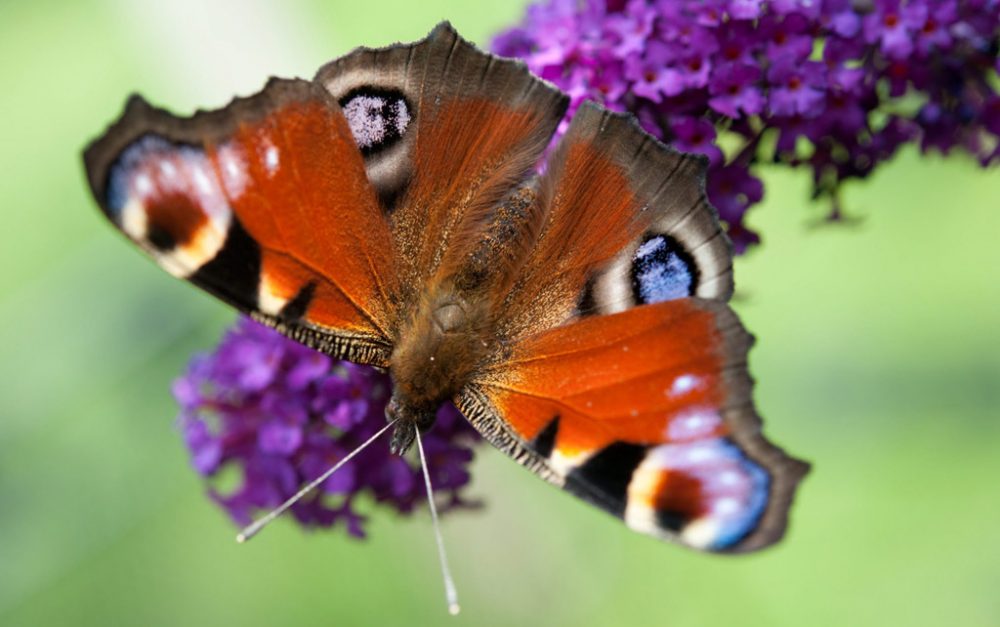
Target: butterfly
391	212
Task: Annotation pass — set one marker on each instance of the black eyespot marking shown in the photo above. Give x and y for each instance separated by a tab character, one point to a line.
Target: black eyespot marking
603	479
160	238
662	270
378	117
671	520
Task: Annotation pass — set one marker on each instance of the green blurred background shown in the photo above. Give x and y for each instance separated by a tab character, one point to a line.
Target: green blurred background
878	359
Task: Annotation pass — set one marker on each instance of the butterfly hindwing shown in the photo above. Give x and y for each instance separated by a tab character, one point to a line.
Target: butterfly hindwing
627	223
624	374
265	204
646	414
683	250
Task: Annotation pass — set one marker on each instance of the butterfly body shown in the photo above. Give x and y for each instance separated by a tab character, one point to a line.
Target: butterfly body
390	213
435	356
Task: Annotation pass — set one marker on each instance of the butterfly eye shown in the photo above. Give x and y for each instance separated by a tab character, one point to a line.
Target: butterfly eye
662	270
378	118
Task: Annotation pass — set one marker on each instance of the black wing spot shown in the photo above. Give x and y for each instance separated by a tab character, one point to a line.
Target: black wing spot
234	273
672	520
160	238
297	307
390	196
544	442
662	270
378	117
586	305
603	479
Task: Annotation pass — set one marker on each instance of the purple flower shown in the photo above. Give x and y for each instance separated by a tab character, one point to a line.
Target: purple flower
695	135
744	9
796	87
652	78
281	414
817	79
892	25
839	18
632	26
789	39
733	189
734	90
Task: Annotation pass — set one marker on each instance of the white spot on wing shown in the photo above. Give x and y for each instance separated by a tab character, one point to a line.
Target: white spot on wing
133	219
563	463
642	518
692	425
402	116
268	299
727	506
730	478
684	384
234	170
203	186
701	532
271	159
143	185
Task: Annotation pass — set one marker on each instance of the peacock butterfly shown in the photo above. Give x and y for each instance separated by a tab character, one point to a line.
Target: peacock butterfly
390	212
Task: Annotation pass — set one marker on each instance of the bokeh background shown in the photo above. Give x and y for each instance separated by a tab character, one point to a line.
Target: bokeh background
878	359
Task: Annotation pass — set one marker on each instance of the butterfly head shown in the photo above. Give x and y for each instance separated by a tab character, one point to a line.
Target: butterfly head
407	419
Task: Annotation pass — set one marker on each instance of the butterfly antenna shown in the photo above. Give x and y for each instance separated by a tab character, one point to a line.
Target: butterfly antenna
450	594
254	528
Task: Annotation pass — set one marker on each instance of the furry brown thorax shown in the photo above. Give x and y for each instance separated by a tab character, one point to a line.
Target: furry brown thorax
438	350
451	329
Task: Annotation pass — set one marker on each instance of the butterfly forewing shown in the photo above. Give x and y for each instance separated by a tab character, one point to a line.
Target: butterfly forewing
265	204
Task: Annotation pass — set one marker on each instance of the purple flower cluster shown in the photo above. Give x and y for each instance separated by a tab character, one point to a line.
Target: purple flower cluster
280	414
836	86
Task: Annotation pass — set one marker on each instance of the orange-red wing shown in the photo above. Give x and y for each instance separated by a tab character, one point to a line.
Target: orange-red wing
475	127
626	223
265	204
647	414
